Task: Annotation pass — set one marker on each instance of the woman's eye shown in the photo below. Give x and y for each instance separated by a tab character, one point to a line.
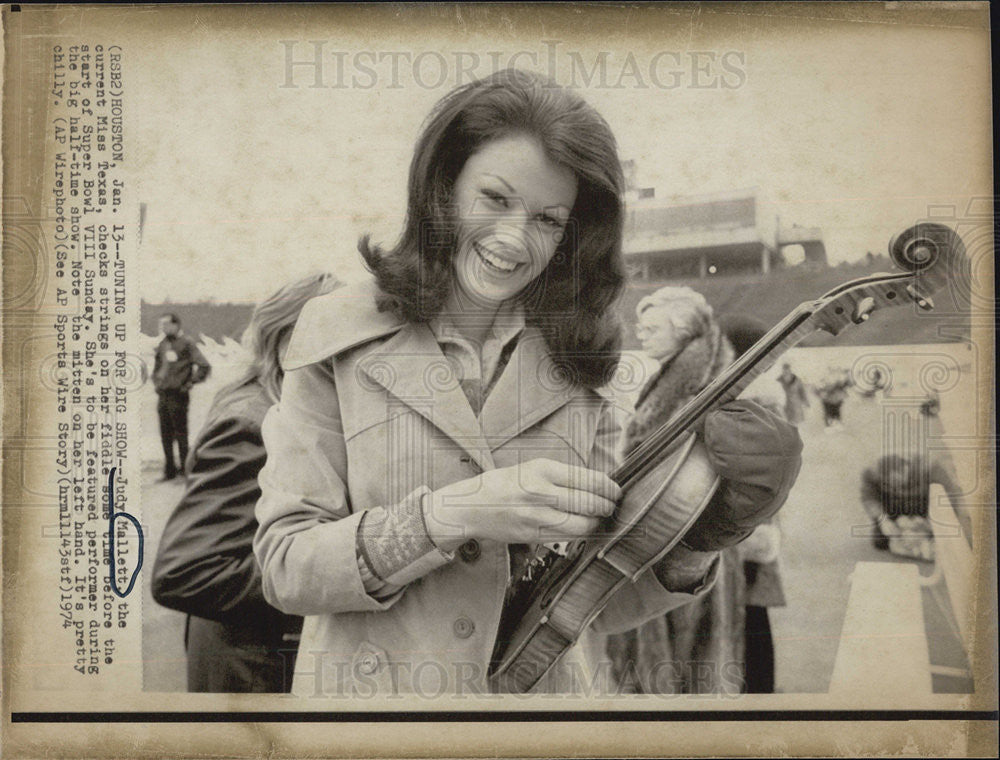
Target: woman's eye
497	198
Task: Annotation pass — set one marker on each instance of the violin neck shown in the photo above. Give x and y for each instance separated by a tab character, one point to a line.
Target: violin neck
728	385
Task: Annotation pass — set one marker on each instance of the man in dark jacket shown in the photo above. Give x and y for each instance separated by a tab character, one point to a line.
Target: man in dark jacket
179	365
235	640
205	566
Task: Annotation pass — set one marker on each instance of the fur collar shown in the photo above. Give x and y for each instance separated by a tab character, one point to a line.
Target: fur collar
678	380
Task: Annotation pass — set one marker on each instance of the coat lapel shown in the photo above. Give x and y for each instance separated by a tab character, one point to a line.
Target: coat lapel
530	388
411	366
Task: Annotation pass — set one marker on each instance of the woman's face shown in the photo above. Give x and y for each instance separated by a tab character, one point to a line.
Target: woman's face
513	204
658	335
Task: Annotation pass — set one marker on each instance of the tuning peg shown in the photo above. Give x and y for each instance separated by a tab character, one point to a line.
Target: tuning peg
863	310
924	302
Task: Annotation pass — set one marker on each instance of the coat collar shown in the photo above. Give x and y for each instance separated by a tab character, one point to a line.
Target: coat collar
410	365
335	322
530	388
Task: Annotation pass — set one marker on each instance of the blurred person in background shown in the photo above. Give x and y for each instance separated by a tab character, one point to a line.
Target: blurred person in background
742	331
832	392
178	366
896	492
796	398
877	383
205	566
931	406
698	648
762	573
760	551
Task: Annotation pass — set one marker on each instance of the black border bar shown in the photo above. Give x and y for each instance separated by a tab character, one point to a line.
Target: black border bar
504	716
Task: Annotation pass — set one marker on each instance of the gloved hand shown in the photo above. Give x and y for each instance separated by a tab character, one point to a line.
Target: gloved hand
757	455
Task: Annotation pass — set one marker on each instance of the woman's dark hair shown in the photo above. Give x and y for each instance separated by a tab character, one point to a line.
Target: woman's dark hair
572	301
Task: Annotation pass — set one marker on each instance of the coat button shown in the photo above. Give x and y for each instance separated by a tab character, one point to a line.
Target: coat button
368	664
463	627
470	550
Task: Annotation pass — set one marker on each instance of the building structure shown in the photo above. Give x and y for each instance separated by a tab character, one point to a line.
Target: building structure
720	234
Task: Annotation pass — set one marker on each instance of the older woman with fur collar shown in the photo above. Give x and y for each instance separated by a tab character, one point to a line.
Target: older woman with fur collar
675	327
697	648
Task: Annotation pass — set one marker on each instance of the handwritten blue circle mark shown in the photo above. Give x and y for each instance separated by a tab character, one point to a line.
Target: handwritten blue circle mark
111	539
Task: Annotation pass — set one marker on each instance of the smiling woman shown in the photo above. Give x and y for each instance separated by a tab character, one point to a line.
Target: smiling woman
442	423
521	170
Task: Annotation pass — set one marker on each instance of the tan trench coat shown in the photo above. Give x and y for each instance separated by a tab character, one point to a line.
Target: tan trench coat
370	415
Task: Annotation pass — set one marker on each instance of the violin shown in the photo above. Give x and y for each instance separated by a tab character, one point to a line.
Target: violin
667	481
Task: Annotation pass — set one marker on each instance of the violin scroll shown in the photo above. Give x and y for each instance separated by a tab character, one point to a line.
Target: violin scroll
926	247
929	253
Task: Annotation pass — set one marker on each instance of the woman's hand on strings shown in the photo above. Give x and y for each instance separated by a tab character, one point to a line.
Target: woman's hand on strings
535	502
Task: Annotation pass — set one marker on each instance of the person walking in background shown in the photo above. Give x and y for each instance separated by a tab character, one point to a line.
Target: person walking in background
832	392
178	365
205	567
796	398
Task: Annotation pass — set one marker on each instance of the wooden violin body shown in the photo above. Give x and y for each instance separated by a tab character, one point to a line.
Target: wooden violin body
649	521
667	481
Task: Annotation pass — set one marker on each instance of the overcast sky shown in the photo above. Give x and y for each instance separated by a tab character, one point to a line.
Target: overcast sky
855	127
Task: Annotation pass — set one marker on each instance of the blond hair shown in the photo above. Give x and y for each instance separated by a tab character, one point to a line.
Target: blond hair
271	321
686	309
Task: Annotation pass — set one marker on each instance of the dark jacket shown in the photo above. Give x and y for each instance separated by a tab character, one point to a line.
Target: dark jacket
178	365
205	564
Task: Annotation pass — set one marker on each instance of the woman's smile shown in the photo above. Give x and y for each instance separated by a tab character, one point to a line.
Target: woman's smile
495	261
